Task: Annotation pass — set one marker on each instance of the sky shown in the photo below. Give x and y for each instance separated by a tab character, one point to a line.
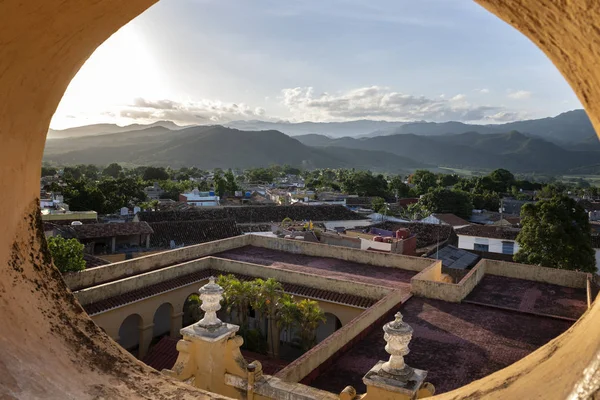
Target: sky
214	61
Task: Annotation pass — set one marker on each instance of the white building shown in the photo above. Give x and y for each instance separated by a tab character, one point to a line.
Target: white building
200	199
487	238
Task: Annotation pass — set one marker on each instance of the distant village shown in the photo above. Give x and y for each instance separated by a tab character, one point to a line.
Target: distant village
394	214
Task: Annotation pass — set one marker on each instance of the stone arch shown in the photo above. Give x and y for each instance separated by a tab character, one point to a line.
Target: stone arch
43	44
332	323
129	333
163	320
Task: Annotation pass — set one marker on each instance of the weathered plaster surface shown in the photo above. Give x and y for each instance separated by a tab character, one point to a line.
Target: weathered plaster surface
51	349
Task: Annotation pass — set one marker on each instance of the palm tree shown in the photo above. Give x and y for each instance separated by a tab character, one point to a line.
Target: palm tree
266	299
288	314
310	315
237	296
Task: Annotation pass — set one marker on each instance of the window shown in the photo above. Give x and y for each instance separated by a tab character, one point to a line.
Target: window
508	247
481	247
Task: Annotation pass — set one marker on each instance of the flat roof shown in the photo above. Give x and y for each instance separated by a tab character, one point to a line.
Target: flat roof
456	343
529	296
324	266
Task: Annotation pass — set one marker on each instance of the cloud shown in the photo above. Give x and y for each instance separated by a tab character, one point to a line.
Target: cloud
376	102
189	112
519	94
507	116
482	91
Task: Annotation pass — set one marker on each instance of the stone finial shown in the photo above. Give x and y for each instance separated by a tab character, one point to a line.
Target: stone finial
211	295
397	335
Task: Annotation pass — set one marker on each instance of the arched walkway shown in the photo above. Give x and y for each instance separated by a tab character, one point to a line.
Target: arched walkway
43	43
331	324
191	310
163	318
129	333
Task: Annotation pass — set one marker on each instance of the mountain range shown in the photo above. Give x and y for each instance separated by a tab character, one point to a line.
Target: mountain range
103	129
561	144
208	147
472	150
571	127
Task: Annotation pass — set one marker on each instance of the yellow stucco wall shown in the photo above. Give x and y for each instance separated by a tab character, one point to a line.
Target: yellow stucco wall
43	43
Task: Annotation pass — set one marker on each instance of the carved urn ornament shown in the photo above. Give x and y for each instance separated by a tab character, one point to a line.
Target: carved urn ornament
397	335
211	295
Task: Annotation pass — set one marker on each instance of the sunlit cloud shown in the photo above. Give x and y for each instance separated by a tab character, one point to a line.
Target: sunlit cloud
519	94
377	102
190	112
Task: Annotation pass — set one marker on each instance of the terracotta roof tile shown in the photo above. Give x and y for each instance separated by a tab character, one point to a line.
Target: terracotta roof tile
451	219
92	231
488	231
191	232
163	354
153	290
254	214
93	262
359	201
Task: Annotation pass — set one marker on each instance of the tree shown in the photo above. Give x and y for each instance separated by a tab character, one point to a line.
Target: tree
220	184
552	190
486	201
48	171
66	253
73	173
155	174
448	201
378	204
556	234
112	170
82	195
364	183
310	316
398	187
423	180
266	300
288	315
237	296
191	310
230	184
445	180
504	179
260	175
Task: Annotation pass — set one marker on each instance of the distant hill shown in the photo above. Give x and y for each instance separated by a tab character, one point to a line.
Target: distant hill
333	129
569	127
210	147
102	129
513	150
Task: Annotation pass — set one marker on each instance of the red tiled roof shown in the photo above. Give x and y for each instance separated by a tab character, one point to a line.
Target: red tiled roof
451	219
93	262
254	214
153	290
487	231
191	232
92	231
359	201
145	292
163	354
